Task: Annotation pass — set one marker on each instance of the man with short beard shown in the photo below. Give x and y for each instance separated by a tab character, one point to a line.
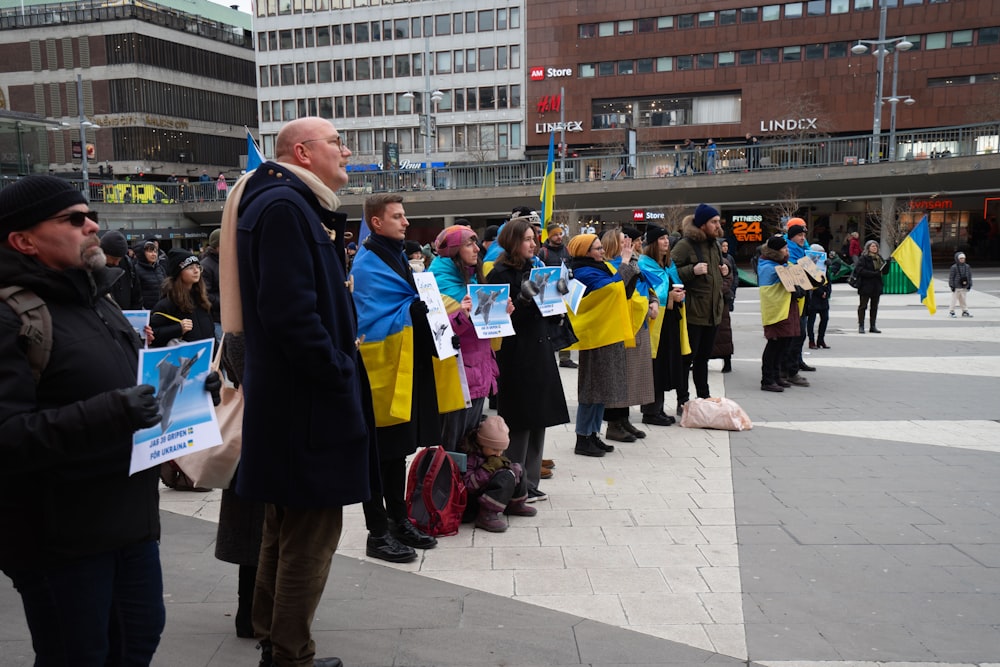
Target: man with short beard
80	536
699	264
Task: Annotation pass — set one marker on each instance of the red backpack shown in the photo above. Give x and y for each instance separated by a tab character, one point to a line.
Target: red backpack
435	493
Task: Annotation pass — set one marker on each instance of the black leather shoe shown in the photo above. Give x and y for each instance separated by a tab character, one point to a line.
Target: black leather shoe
806	367
328	662
603	446
410	535
772	387
265	654
584	447
386	547
658	420
873	330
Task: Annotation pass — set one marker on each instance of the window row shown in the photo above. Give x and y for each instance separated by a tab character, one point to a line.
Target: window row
963	80
485	59
768	56
789	10
487	20
481	98
665	111
283	7
156	97
134	48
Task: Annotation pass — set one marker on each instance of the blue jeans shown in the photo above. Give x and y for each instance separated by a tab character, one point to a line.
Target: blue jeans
101	610
589	418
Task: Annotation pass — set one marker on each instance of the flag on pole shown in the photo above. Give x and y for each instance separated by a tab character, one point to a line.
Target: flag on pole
254	157
914	257
548	194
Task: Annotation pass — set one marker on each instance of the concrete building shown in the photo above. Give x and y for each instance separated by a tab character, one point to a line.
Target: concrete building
155	88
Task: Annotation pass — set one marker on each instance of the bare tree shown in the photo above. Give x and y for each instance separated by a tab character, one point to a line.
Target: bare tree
787	206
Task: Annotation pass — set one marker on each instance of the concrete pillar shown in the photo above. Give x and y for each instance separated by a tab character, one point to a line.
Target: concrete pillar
889	226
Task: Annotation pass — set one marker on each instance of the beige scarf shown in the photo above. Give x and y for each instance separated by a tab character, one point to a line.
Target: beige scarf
229	275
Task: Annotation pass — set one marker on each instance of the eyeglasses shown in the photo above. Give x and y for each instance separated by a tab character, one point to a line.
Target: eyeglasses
596	247
333	141
77	218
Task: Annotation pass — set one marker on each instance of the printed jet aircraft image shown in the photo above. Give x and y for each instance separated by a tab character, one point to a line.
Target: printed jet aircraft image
542	281
486	300
172	378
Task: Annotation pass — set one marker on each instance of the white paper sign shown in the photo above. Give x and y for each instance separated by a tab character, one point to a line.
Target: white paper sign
189	424
549	299
437	315
489	310
139	319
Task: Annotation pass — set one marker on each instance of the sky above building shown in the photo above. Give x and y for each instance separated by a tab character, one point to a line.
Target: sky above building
244	5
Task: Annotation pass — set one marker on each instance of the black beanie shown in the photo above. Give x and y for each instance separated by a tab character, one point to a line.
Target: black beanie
179	259
703	214
114	244
776	242
632	233
32	199
653	232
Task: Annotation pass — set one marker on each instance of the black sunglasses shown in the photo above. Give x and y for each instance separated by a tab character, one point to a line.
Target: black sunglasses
77	218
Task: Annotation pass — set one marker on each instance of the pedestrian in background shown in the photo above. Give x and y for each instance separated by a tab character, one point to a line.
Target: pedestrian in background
960	282
871	268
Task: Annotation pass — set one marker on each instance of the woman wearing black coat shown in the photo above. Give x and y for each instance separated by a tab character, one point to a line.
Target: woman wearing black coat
529	390
871	268
184	313
151	274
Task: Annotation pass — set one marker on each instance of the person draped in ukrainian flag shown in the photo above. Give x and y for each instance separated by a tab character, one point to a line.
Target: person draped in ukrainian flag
667	329
398	350
638	371
457	266
603	324
779	313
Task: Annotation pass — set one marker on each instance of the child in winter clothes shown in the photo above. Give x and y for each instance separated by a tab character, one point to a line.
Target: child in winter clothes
494	483
960	282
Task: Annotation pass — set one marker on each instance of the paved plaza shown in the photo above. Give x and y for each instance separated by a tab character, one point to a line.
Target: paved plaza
857	523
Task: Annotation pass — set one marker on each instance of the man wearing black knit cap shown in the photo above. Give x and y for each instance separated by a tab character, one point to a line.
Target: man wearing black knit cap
699	264
79	534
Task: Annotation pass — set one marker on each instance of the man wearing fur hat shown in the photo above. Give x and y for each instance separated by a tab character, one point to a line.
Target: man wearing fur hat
700	267
80	536
779	314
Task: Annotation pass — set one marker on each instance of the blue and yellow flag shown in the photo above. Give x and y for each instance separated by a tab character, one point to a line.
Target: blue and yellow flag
914	257
548	194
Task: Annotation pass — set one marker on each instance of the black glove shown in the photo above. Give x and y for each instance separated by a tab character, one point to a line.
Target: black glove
529	289
141	406
799	293
456	342
213	385
562	286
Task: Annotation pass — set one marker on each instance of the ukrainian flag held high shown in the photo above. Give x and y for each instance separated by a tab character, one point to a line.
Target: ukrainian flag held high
914	257
548	194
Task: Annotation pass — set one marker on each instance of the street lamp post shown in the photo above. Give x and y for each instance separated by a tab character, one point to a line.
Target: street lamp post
426	121
894	99
84	124
901	44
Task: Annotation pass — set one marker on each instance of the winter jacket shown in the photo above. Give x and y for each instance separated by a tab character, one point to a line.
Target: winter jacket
870	271
309	432
210	276
529	391
553	255
151	277
960	275
704	301
65	490
163	319
126	290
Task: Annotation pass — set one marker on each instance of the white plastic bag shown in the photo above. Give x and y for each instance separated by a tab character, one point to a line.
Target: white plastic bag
723	414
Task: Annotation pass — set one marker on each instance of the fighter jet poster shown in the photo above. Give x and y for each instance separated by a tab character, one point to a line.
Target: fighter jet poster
178	374
549	282
489	310
437	315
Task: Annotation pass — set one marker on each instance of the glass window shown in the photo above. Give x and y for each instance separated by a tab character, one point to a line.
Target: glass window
685	21
387	62
442	24
515	18
588	30
323	35
387	30
362	69
646	25
515	56
262	44
501	57
706	19
815	51
503	101
415	27
272	41
840	6
769	56
606	29
364	106
470	60
487	98
626	67
588	71
401	28
377	67
515	97
685	63
915	40
470	99
458	23
459	61
443	64
771	12
486	20
310	38
310	72
264	76
837	49
791	54
288	75
418	64
664	64
377	105
470	22
727	59
300	39
987	36
747	57
706	61
501	19
749	15
727	17
428	26
403	65
288	109
937	40
961	38
376	31
912	2
793	10
275	75
265	112
486	56
644	66
862	5
284	39
348	35
816	8
606	69
665	23
326	107
348	70
460	99
626	27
